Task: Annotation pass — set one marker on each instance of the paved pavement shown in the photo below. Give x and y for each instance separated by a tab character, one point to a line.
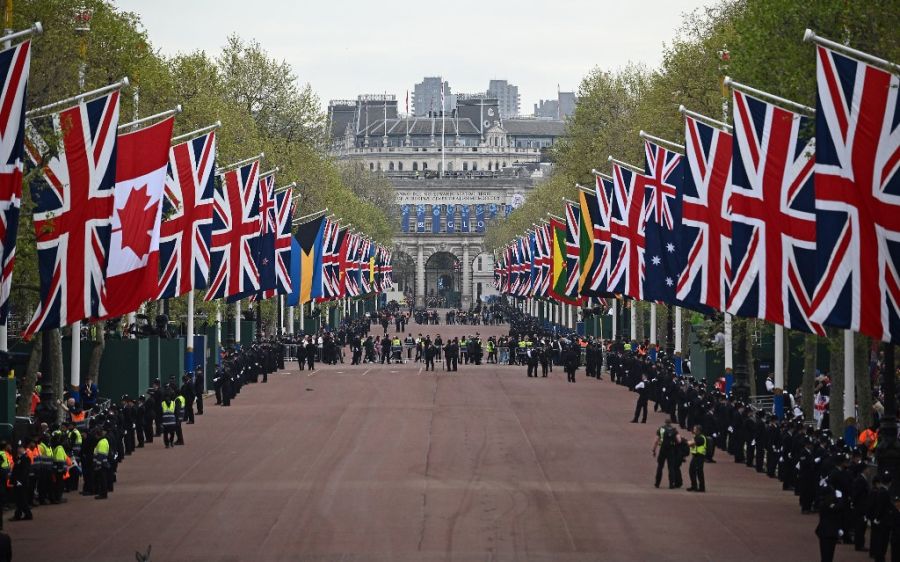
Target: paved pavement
388	463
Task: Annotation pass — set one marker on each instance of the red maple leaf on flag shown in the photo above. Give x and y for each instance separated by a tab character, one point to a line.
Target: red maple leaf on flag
136	222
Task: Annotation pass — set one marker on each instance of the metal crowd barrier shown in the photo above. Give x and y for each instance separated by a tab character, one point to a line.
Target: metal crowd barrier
503	355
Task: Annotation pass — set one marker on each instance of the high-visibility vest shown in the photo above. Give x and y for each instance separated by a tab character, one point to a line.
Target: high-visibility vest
59	460
101	452
699	449
44	456
77	416
168	412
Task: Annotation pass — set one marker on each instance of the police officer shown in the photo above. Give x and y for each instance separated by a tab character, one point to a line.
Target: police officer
698	457
430	352
452	355
642	388
571	359
19	480
101	465
169	420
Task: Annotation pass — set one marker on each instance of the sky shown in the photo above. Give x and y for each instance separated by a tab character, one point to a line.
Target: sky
343	48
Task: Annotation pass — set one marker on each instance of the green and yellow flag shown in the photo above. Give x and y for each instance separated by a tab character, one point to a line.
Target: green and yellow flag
558	272
586	239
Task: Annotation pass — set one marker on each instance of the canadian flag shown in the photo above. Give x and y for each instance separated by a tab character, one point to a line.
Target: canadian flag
133	264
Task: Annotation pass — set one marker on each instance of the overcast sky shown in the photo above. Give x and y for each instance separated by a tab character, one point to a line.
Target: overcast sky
349	47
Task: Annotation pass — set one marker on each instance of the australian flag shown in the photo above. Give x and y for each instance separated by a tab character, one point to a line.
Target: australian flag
663	180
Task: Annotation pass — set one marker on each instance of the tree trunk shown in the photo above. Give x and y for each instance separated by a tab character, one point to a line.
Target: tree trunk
31	370
56	375
808	384
97	353
861	346
836	372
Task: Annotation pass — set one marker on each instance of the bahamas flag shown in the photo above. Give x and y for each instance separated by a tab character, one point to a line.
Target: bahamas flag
306	262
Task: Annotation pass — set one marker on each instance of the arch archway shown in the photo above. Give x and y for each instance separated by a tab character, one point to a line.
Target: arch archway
443	280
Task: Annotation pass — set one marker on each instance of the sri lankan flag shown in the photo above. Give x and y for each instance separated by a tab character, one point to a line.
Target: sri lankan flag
587	203
559	275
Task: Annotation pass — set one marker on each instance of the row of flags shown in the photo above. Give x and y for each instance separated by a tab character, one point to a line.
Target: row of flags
451	224
122	218
757	218
329	262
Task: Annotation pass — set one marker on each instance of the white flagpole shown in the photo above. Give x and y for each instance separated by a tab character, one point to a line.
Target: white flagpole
779	356
290	315
677	329
633	320
849	376
653	323
615	306
443	150
218	323
189	344
76	355
237	323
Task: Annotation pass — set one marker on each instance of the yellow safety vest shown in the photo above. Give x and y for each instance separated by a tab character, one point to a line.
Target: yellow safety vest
699	449
102	448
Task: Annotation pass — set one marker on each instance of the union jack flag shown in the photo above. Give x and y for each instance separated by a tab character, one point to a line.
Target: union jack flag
351	268
73	210
534	248
14	65
364	271
545	247
773	221
388	271
184	236
526	272
573	249
512	275
598	276
283	218
662	181
330	262
705	217
627	233
857	196
235	235
520	267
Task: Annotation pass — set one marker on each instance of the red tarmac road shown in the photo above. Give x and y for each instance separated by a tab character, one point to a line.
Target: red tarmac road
388	463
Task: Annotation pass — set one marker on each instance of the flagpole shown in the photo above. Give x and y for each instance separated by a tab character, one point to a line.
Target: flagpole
196	133
136	99
189	344
601	174
79	98
810	35
290	315
237	324
238	164
9	36
728	326
443	150
777	100
714	123
133	125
